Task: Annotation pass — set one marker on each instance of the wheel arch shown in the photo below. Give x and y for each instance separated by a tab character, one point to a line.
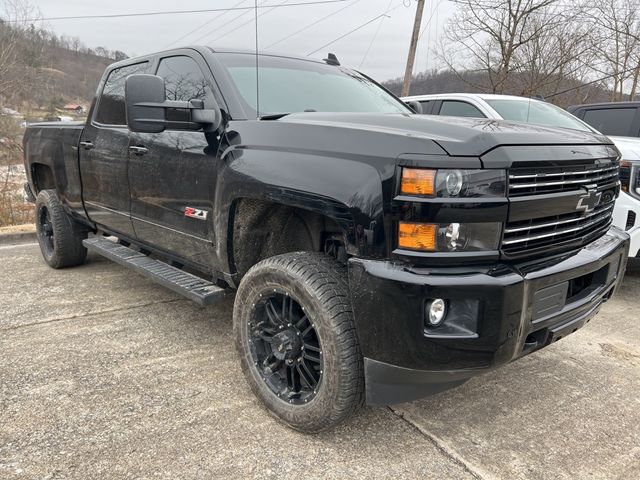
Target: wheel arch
261	228
43	177
328	194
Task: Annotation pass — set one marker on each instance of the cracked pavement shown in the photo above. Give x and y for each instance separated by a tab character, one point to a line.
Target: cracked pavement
104	374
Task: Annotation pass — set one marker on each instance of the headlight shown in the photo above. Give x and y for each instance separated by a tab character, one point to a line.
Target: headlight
451	237
453	183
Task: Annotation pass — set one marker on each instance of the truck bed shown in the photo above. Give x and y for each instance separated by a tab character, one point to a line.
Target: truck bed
51	159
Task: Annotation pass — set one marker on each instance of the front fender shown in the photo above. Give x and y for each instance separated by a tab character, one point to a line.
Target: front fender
348	191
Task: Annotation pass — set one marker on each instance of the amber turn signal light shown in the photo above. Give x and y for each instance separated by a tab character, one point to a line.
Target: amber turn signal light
418	181
417	236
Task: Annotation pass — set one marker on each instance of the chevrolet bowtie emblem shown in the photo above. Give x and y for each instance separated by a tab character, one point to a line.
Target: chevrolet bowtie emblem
588	201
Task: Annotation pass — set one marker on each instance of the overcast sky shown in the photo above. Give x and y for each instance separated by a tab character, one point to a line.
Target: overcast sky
138	35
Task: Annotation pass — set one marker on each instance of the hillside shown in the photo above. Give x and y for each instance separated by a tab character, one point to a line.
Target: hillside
40	71
69	76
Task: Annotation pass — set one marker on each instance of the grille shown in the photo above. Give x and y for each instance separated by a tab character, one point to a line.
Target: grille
564	231
529	181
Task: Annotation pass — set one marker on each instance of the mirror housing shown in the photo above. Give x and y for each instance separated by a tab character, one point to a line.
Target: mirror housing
146	107
415	106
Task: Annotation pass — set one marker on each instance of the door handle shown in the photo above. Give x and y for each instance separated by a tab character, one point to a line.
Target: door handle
138	150
86	145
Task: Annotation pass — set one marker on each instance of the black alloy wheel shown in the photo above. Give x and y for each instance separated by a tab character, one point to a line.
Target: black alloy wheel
45	230
297	342
285	347
59	235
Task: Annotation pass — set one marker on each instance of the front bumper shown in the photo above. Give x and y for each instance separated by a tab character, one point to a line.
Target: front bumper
497	315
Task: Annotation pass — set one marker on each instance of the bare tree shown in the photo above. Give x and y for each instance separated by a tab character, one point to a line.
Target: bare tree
490	35
615	41
558	50
15	27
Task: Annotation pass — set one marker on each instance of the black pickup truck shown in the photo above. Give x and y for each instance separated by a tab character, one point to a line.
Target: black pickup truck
378	255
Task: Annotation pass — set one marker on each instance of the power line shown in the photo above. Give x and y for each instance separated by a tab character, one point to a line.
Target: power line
175	12
373	39
234	19
248	22
432	13
354	30
204	25
312	24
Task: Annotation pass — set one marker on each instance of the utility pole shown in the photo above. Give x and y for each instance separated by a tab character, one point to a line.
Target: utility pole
412	49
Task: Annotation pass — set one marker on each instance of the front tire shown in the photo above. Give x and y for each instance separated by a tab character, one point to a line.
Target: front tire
296	338
60	237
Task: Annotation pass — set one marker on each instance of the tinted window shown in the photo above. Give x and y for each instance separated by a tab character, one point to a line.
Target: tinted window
426	105
183	81
290	85
611	121
111	109
455	108
537	112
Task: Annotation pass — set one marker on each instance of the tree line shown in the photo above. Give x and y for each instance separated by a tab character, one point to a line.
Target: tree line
530	47
38	66
564	50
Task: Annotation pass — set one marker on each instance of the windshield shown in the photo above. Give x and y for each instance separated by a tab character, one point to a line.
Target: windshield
537	112
289	85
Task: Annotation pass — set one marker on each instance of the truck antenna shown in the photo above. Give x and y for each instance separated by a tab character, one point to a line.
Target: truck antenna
255	15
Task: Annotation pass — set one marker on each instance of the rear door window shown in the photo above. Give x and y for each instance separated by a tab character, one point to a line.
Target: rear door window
456	108
427	106
111	108
612	121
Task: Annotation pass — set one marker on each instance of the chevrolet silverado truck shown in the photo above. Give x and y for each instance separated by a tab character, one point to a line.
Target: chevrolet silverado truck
377	255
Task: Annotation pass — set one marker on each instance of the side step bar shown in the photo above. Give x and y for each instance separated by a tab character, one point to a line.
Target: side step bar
191	286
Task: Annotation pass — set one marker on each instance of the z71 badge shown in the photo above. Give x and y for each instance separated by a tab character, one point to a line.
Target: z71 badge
195	213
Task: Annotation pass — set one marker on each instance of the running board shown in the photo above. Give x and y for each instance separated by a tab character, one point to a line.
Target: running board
191	286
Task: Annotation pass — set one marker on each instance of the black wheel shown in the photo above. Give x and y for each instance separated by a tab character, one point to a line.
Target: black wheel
59	236
296	339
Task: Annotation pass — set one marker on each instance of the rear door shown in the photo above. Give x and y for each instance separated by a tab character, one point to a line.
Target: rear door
172	174
104	153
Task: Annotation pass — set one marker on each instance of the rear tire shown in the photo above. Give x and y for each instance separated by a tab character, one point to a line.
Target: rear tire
60	237
310	389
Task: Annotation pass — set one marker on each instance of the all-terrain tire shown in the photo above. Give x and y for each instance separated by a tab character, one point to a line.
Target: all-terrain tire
319	284
60	237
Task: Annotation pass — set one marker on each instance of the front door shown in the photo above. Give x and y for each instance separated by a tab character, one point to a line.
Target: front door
172	173
104	156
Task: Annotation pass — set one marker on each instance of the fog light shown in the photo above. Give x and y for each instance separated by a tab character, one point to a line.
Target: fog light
436	311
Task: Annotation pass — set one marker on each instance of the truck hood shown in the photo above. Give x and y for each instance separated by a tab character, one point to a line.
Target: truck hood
457	136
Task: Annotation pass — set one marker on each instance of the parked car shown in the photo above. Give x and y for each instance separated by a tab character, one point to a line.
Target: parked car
615	119
506	107
377	255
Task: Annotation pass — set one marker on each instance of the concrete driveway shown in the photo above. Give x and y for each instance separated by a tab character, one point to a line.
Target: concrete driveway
106	375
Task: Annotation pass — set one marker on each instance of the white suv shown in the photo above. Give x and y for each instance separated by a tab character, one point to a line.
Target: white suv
626	214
